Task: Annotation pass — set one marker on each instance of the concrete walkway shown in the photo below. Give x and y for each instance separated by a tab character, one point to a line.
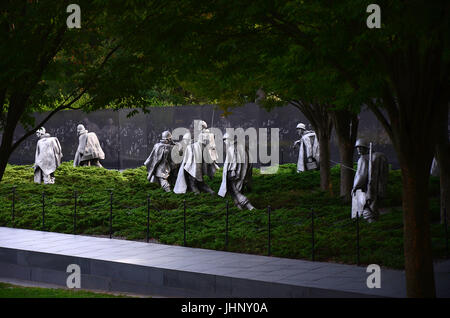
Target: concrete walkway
157	269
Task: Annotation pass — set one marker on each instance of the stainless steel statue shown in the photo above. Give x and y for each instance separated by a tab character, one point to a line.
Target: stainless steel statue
195	165
434	171
180	147
160	166
200	127
237	172
370	182
89	151
309	151
48	157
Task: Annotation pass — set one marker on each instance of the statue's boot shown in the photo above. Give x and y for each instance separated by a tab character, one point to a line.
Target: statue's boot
96	162
165	185
369	215
49	179
249	206
236	201
206	188
240	200
193	185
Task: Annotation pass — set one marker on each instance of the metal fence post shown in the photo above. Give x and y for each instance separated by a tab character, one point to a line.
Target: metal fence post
75	213
184	222
312	236
268	247
226	229
148	218
110	212
13	204
357	238
43	210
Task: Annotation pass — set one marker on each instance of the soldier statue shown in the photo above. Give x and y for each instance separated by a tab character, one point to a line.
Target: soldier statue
434	171
160	166
48	157
200	126
180	147
195	165
369	185
309	151
237	172
89	151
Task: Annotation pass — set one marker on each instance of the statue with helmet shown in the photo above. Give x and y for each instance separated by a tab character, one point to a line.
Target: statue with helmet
196	164
237	172
160	167
47	158
200	127
89	151
180	147
309	150
370	182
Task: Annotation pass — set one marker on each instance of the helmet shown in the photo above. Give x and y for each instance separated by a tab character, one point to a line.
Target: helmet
227	136
166	135
40	132
201	124
361	143
80	127
301	126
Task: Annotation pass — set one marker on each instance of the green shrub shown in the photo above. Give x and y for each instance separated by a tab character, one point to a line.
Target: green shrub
291	195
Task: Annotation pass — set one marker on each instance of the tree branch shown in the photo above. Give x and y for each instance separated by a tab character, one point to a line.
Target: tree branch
65	106
376	110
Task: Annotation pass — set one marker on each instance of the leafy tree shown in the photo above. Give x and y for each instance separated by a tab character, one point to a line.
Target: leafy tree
113	59
232	63
401	71
319	53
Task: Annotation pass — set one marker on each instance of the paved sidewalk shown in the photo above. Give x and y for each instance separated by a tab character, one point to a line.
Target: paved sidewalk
166	270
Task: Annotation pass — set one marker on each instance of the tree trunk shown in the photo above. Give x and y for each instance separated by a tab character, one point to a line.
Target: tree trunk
443	159
4	156
416	95
417	240
415	152
5	151
16	109
324	144
346	127
346	183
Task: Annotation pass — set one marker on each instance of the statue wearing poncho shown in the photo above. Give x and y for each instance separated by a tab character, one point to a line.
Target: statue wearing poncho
89	151
47	158
237	173
370	182
309	150
160	167
200	127
195	165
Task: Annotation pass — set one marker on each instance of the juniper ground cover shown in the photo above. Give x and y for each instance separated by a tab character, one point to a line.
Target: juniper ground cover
291	196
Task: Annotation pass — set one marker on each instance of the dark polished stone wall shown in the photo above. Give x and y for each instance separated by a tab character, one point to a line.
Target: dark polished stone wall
128	141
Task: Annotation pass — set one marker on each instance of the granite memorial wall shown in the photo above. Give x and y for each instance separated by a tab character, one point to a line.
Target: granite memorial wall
127	141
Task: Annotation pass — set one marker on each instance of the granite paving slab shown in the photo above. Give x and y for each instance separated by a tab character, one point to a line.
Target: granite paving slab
142	267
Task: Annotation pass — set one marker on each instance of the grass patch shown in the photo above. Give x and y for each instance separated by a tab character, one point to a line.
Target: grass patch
291	196
13	291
